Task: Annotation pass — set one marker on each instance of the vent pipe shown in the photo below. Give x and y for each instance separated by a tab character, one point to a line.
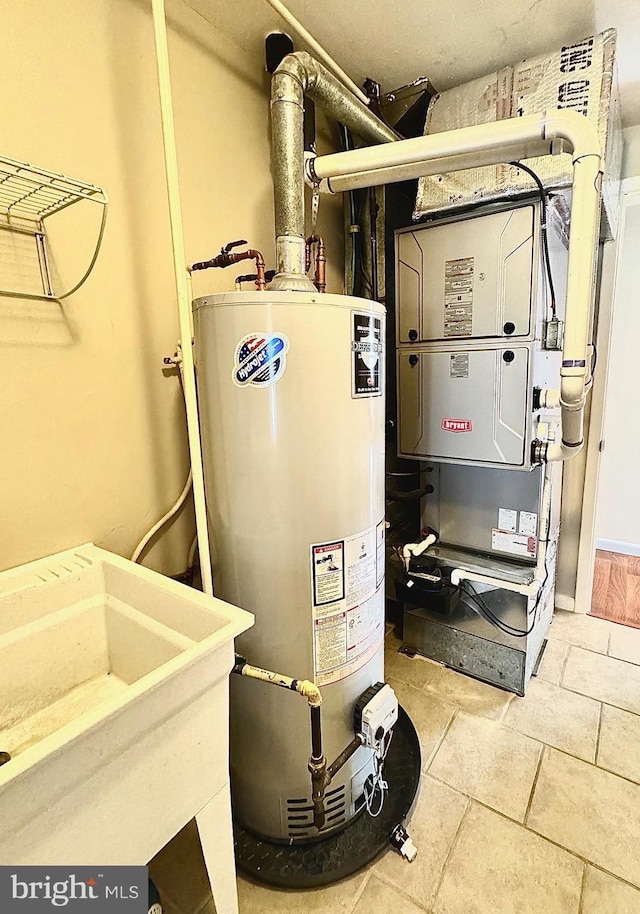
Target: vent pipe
296	76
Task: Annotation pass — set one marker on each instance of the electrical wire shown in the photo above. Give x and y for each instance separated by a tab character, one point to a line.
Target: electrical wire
377	781
500	624
543	229
487	614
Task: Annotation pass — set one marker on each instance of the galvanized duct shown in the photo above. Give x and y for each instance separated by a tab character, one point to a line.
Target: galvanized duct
299	75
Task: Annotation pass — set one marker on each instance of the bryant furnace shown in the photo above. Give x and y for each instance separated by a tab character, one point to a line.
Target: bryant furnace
477	337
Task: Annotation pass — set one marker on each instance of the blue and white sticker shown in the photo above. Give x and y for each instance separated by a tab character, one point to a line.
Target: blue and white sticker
260	359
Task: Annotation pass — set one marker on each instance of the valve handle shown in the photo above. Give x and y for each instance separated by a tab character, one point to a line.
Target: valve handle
232	244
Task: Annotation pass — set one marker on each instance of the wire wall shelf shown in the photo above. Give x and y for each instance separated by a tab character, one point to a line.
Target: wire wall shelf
29	196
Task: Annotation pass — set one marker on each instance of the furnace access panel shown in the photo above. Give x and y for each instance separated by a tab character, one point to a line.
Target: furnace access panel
468	279
471	302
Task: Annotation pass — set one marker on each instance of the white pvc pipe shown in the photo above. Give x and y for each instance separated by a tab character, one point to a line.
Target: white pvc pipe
417	548
182	290
514	138
317	49
478	144
411	170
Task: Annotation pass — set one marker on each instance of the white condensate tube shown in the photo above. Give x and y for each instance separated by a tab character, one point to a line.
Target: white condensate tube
183	290
417	548
515	138
317	49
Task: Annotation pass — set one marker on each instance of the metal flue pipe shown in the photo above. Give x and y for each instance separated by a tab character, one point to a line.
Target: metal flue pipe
296	76
317	49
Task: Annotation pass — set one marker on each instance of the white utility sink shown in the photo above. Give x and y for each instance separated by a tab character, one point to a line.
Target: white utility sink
114	709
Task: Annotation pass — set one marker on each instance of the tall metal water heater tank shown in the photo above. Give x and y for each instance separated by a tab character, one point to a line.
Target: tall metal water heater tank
291	398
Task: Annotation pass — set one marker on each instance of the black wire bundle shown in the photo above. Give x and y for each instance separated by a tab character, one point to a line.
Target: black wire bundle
484	611
543	229
488	614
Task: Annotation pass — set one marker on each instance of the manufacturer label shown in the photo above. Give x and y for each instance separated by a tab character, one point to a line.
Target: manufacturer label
458	296
366	355
507	519
348	603
260	359
457	425
459	365
513	543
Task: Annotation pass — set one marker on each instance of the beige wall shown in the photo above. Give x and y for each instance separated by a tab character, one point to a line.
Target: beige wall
93	432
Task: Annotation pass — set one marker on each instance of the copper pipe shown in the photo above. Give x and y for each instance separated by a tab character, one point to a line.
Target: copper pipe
320	280
259	259
252	277
225	258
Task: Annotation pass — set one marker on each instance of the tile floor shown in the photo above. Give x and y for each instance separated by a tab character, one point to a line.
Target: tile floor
527	805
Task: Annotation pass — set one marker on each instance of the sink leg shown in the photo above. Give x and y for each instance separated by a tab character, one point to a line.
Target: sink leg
215	828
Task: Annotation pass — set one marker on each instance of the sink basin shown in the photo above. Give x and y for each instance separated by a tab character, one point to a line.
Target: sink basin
113	708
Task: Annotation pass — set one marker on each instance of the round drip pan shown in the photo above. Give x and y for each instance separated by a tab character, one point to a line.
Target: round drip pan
305	866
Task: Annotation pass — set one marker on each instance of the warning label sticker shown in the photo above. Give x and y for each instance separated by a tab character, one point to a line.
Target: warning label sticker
366	355
328	573
459	365
458	296
514	543
348	603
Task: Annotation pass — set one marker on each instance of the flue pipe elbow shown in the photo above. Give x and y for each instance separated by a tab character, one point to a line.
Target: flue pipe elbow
298	75
575	128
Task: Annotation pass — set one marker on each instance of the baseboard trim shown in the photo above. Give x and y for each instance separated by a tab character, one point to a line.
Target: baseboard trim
618	546
563	601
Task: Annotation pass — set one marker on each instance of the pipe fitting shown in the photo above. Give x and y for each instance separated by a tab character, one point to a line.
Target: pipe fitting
225	259
319	281
415	549
318	771
573	127
310	691
549	398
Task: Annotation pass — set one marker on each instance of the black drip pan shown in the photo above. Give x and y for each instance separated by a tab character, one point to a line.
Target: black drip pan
305	866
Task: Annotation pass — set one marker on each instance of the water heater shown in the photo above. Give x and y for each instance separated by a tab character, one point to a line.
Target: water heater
291	400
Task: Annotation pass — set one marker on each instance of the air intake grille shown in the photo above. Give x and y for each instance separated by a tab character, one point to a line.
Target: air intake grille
300	813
